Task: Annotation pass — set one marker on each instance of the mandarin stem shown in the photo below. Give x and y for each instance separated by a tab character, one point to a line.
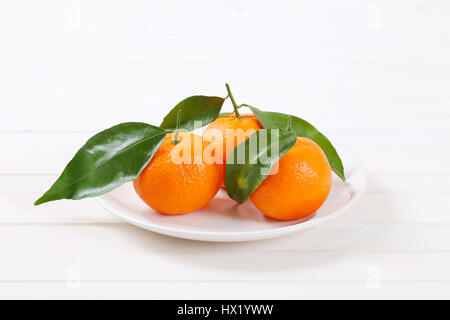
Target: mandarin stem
289	125
176	139
235	106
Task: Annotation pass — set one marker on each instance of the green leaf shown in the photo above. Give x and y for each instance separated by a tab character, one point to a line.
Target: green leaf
195	108
251	161
109	159
272	120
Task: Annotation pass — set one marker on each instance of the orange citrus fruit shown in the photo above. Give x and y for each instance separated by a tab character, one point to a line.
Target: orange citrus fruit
179	179
231	131
300	186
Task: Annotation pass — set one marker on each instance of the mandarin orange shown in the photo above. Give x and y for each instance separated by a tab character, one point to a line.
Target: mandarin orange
300	186
231	130
178	179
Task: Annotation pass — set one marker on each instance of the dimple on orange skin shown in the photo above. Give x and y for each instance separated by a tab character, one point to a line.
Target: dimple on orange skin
177	188
300	186
228	127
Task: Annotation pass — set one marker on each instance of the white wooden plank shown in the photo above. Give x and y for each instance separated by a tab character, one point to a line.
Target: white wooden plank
59	245
71	289
409	184
401	154
205	31
382	154
400	208
49	257
25	184
286	79
66	113
19	208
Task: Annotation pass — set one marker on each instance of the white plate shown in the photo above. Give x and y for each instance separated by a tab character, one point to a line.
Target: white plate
223	221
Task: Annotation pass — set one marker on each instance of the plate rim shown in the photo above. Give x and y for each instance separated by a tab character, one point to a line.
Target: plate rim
223	236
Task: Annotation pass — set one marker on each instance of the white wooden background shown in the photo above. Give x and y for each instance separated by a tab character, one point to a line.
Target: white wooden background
374	75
